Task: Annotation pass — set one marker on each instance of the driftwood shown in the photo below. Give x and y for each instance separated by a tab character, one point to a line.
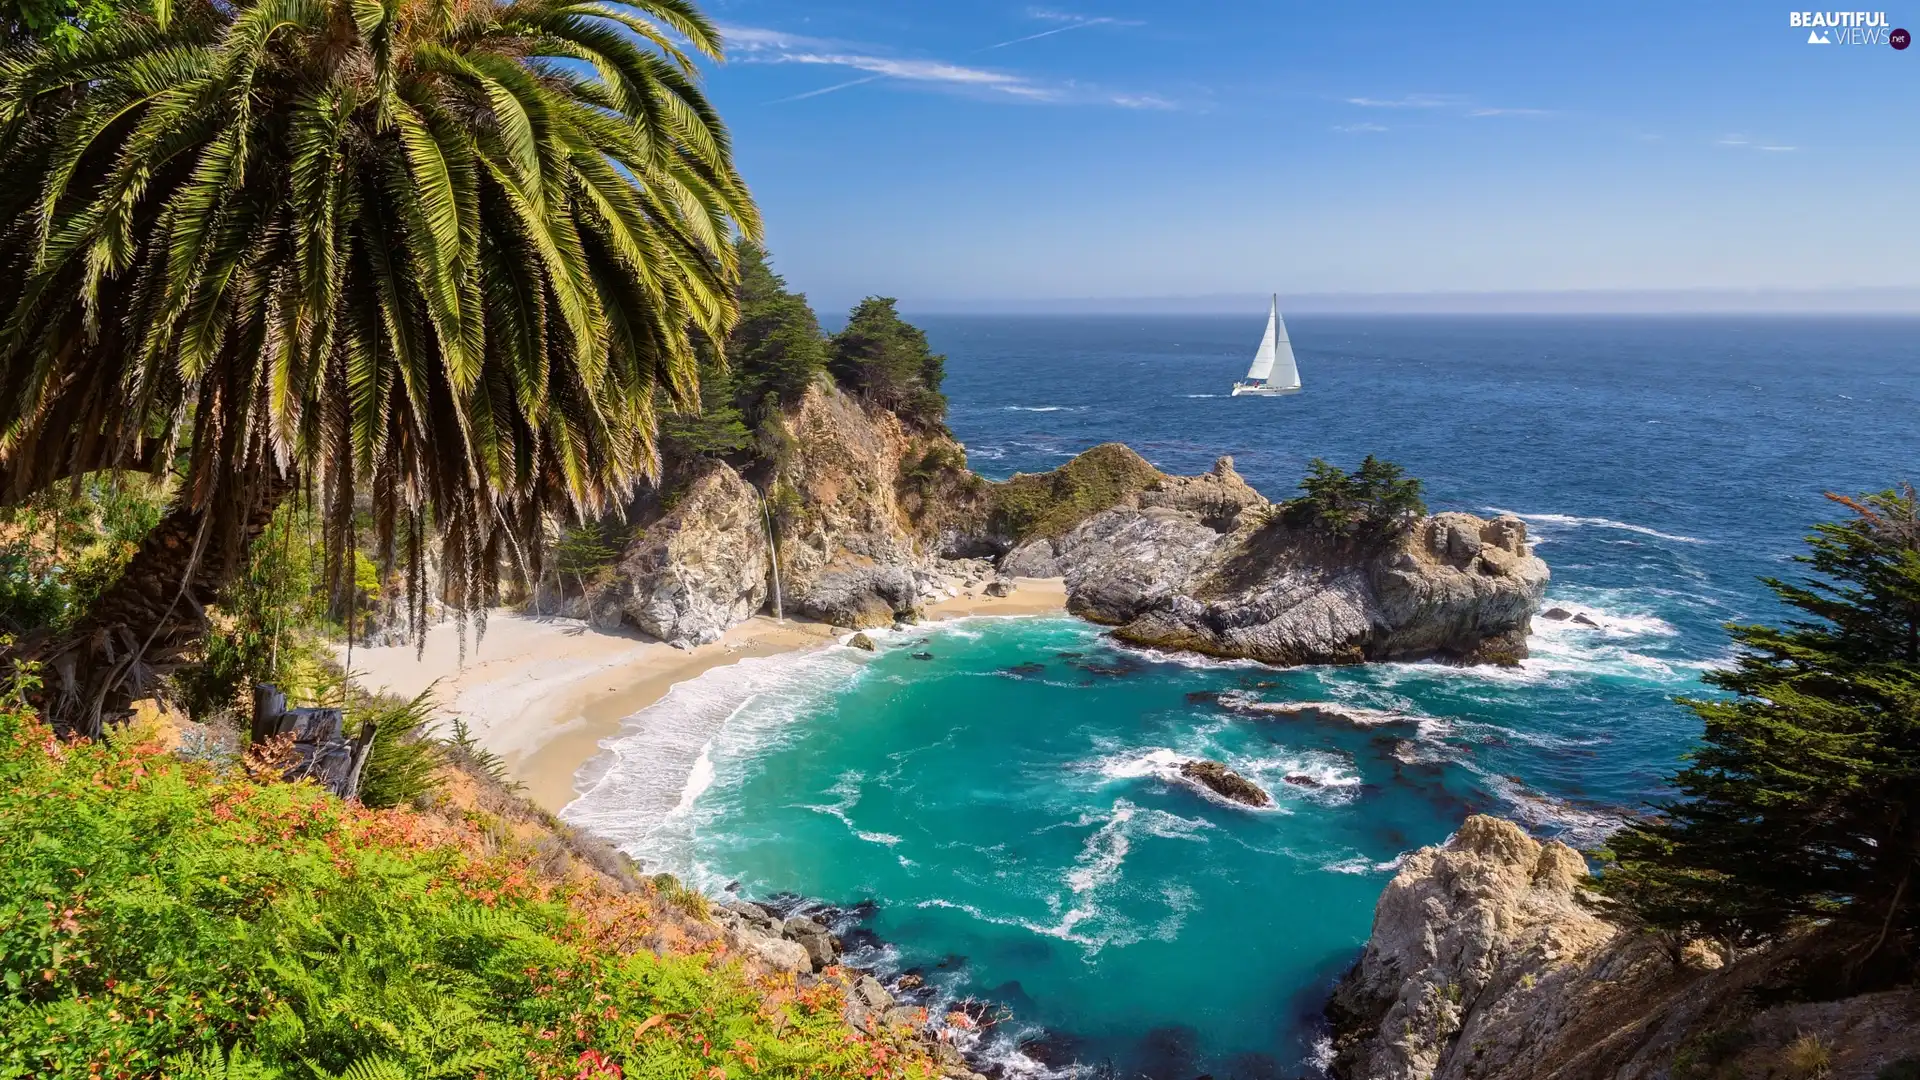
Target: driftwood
321	747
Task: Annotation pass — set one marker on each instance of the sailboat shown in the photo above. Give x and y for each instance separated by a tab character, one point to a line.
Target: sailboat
1273	372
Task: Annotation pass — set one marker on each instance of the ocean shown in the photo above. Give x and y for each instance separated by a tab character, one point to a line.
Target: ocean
994	803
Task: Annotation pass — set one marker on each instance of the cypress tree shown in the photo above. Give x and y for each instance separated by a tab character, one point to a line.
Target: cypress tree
1800	802
887	360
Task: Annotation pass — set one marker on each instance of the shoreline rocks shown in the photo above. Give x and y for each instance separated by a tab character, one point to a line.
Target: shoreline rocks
803	944
1488	960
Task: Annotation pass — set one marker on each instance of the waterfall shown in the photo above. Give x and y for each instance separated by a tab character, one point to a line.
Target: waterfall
773	557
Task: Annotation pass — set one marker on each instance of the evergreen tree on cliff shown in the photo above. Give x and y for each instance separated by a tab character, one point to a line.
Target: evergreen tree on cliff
436	256
1804	800
773	353
887	361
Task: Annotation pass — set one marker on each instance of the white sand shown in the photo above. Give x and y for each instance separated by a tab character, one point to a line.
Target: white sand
542	692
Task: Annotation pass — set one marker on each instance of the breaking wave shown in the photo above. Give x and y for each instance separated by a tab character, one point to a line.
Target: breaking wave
1573	521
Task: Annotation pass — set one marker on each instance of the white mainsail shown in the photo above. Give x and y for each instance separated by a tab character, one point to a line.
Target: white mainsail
1273	370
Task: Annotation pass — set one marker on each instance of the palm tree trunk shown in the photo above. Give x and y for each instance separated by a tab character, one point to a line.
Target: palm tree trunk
144	625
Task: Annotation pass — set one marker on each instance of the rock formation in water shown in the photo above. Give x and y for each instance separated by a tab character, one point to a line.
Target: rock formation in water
1226	783
875	519
1203	563
1488	962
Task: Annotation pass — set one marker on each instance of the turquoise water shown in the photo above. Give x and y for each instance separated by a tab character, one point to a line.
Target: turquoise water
1010	805
1006	806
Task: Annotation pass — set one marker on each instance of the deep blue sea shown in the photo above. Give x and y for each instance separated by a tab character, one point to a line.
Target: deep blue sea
1006	807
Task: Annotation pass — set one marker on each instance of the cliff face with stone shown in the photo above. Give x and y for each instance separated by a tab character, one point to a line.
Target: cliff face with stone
861	503
1489	961
863	509
870	515
1203	563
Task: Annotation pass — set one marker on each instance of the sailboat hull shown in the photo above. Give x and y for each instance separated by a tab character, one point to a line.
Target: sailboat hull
1240	390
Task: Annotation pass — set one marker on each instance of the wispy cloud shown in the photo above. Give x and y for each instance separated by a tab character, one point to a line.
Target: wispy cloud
1410	101
1141	101
1509	112
937	71
1741	142
1359	128
763	46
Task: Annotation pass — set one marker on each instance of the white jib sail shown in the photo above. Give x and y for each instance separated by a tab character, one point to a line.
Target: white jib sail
1263	360
1285	373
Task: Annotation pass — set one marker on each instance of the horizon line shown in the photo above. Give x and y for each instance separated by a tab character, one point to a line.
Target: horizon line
1711	300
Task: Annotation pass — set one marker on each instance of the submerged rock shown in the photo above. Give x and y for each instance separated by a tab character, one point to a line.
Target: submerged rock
1226	783
1323	711
1302	780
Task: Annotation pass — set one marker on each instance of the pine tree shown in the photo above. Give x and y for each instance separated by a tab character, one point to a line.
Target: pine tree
886	360
1372	506
776	348
1801	801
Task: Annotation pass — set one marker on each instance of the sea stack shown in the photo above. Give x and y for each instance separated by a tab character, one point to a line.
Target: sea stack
1226	783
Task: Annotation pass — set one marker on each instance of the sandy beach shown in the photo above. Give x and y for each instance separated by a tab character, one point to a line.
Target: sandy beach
542	692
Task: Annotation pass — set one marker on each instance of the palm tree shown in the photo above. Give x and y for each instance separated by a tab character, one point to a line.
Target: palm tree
431	256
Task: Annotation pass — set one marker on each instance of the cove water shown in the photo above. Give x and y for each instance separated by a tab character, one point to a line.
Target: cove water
1005	797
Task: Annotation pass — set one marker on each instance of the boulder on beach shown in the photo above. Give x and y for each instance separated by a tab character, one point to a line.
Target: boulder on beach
999	588
861	641
1226	783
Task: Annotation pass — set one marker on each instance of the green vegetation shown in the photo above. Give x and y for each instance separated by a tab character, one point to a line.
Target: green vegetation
60	548
263	627
1803	802
776	350
1032	505
438	264
768	359
1376	504
887	361
403	762
59	21
168	919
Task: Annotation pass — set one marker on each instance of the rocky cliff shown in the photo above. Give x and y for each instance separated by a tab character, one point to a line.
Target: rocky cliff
869	514
862	504
863	508
1488	961
1203	563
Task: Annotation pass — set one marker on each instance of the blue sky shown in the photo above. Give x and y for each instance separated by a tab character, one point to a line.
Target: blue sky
975	153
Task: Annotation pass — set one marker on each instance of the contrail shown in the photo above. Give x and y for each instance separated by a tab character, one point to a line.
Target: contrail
1048	33
826	90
